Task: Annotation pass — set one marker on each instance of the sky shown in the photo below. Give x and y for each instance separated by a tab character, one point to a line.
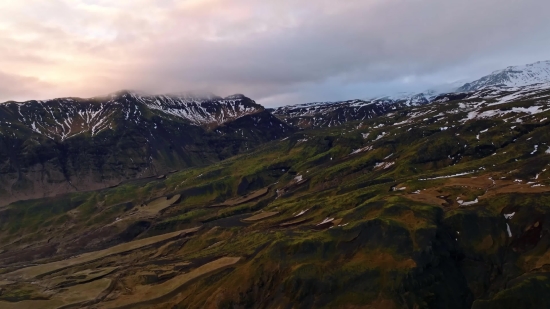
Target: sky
277	52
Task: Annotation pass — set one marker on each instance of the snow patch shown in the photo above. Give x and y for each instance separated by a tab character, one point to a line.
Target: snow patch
383	165
448	176
327	220
380	136
462	203
364	149
301	213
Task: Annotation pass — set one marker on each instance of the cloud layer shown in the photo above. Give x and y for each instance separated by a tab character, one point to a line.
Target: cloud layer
278	52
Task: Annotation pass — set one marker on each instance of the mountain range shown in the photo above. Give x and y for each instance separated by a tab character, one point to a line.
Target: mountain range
199	201
60	145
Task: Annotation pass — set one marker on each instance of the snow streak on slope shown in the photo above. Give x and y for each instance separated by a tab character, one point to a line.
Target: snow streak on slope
63	118
202	111
67	117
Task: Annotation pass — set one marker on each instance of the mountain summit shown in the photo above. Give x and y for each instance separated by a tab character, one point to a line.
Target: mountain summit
513	76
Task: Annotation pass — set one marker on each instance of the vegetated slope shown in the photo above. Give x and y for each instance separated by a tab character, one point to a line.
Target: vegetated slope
513	76
442	205
56	146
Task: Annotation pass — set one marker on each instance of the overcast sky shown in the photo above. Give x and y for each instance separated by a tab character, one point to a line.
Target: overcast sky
277	52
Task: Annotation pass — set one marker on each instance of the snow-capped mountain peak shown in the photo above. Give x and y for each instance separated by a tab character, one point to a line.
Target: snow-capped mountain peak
513	76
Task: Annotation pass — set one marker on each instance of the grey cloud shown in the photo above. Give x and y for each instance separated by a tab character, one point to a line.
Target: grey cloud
281	52
15	87
361	45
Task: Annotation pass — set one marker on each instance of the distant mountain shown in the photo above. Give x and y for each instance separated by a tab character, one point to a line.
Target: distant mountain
435	91
330	114
513	76
72	144
496	95
424	97
407	98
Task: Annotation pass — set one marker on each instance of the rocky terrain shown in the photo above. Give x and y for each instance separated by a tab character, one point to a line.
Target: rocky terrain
355	204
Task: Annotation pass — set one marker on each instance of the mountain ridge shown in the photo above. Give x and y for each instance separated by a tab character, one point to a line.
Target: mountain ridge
67	144
512	76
